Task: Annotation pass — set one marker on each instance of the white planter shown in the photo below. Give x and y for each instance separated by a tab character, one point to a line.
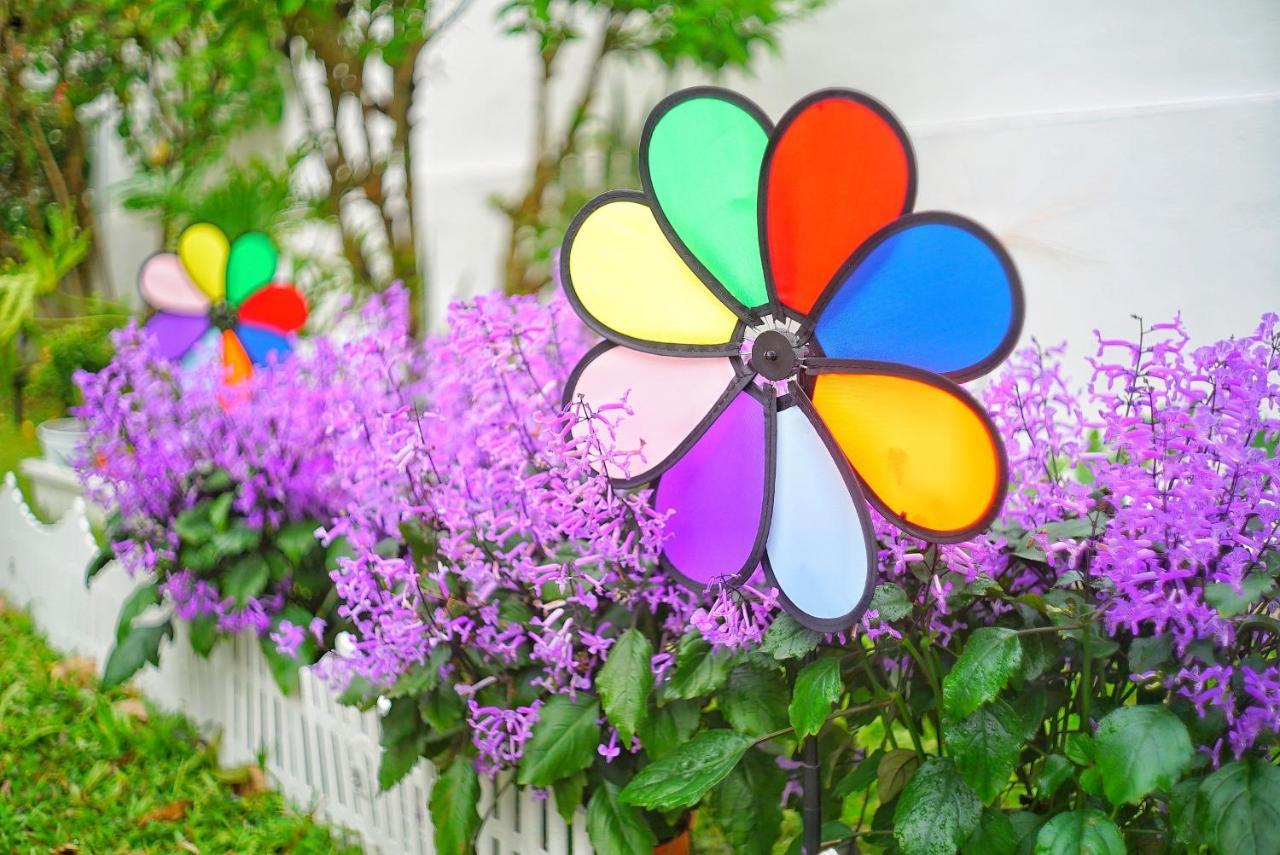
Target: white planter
318	753
60	439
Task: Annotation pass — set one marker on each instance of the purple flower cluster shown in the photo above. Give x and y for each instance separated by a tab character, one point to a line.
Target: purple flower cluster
516	546
1153	493
156	432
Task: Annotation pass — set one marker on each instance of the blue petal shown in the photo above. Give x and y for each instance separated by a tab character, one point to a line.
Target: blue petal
934	291
260	343
819	551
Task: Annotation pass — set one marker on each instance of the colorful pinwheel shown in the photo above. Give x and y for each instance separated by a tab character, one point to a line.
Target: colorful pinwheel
215	295
790	337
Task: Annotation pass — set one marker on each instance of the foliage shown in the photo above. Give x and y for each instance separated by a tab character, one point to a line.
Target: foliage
1101	667
80	344
219	492
37	272
85	769
706	35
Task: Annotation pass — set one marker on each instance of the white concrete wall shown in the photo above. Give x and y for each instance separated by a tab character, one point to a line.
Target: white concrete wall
1126	151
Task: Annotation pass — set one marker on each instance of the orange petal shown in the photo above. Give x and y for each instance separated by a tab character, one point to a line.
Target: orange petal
926	451
235	361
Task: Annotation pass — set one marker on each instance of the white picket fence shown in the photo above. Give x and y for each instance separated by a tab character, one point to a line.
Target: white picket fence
317	753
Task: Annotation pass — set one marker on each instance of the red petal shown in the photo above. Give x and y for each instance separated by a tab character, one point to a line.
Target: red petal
279	307
839	168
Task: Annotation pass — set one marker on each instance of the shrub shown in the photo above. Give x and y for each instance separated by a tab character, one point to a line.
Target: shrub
1098	670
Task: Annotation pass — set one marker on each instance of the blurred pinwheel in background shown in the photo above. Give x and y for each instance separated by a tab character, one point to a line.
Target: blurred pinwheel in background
216	300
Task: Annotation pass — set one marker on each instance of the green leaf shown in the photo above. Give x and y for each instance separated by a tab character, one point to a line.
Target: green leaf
1223	597
568	792
754	700
248	577
1140	750
101	559
140	646
861	776
237	540
890	602
1080	832
681	778
747	804
1148	654
787	639
1238	808
993	836
625	682
1055	771
454	797
144	596
203	633
937	810
297	539
986	746
895	769
817	687
220	511
398	760
284	669
1026	826
563	742
992	656
1080	748
668	726
614	826
193	525
699	670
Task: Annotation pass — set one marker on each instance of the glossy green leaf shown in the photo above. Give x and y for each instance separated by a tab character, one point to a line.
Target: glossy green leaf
454	798
817	687
625	682
668	726
563	742
138	647
787	639
986	746
1238	808
754	699
937	810
1081	832
614	826
747	804
1140	750
699	670
993	836
568	792
681	778
990	658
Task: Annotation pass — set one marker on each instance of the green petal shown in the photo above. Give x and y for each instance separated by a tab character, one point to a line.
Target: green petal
700	159
252	264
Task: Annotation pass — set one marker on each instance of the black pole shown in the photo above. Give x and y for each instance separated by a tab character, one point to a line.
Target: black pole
812	793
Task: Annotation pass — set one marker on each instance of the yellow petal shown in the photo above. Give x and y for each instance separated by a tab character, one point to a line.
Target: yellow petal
626	275
204	249
924	449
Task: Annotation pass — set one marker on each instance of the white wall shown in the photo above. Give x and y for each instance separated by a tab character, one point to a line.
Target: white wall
1125	151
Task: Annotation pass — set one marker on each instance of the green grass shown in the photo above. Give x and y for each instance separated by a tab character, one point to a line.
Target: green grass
79	773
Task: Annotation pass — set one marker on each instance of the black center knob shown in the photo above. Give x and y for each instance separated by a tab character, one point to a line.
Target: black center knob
772	355
222	316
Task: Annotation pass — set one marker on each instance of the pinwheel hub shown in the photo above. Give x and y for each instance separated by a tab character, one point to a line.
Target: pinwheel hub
773	356
772	349
222	316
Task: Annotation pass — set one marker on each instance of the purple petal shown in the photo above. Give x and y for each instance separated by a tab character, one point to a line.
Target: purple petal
176	333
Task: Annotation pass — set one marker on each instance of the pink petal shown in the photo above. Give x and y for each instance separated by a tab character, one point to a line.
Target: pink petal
165	285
